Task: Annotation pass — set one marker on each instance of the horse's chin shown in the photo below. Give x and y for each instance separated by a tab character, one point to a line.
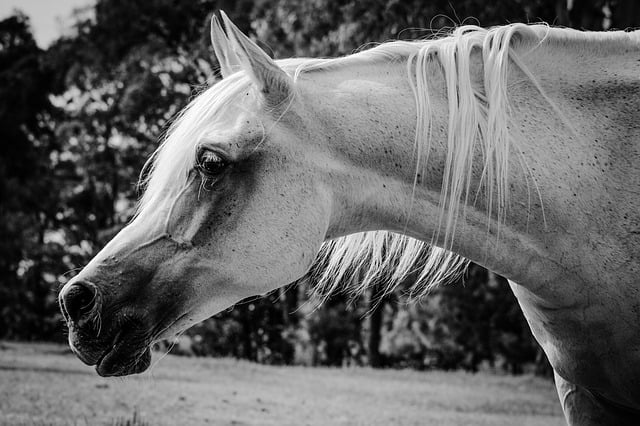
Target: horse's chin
123	363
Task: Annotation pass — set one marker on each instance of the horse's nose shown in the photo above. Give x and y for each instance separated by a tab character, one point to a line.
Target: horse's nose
77	300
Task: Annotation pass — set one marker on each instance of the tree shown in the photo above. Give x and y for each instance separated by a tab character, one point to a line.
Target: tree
378	299
625	14
26	186
330	28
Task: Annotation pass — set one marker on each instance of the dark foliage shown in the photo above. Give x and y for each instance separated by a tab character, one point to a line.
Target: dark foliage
28	262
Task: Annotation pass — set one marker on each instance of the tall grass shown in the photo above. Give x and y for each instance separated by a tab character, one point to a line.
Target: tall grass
136	420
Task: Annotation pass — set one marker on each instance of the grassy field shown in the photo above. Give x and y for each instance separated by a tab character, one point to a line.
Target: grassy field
45	385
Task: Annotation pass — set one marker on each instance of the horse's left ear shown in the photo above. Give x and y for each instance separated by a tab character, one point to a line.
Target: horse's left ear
227	58
272	81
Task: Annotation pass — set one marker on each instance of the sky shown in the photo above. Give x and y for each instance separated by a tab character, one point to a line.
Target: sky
49	18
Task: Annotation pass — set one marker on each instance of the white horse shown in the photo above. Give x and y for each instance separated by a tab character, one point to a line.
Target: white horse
517	147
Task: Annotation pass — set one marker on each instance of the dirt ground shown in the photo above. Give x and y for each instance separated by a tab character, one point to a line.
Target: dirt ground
45	385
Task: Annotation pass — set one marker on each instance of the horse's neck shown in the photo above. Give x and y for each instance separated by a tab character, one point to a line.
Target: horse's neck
569	137
584	151
579	140
595	88
587	165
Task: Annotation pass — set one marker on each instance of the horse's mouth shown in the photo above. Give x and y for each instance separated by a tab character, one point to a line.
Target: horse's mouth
117	361
124	346
128	352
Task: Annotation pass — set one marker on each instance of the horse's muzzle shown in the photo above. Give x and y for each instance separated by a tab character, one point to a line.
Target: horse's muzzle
116	344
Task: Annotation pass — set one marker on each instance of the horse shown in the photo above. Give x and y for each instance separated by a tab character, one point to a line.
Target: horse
516	147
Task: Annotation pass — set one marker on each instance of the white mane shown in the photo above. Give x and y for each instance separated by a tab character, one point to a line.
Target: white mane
477	118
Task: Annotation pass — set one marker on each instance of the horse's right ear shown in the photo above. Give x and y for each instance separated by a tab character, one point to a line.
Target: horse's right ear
239	51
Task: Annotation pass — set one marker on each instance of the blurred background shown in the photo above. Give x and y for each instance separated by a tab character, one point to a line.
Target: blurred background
84	100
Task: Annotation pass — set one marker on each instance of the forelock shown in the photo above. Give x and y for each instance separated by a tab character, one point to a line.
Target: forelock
170	165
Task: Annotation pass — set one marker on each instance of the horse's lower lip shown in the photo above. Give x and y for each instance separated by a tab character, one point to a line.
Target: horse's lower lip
103	356
114	345
112	363
106	353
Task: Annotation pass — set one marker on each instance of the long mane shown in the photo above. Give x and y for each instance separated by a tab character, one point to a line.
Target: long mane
477	120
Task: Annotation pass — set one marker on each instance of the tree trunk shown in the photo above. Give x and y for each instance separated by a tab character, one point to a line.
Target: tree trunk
288	296
376	308
584	15
562	14
247	333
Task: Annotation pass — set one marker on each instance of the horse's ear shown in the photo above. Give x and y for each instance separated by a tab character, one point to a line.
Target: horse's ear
272	81
227	58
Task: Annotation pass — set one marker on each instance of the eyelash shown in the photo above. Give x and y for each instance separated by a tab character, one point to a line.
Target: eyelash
209	177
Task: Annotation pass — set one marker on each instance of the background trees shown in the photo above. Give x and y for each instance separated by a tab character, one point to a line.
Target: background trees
28	256
79	119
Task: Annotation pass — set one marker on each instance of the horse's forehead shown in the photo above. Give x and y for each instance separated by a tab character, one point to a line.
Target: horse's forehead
232	123
241	133
228	123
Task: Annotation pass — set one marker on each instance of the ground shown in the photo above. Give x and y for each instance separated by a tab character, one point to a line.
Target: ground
44	385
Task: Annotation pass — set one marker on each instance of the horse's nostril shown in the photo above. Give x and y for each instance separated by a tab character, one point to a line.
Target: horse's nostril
77	300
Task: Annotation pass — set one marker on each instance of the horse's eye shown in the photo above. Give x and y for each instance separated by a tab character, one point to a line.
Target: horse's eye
210	163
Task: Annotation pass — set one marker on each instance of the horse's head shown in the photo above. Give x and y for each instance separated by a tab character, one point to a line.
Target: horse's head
238	172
